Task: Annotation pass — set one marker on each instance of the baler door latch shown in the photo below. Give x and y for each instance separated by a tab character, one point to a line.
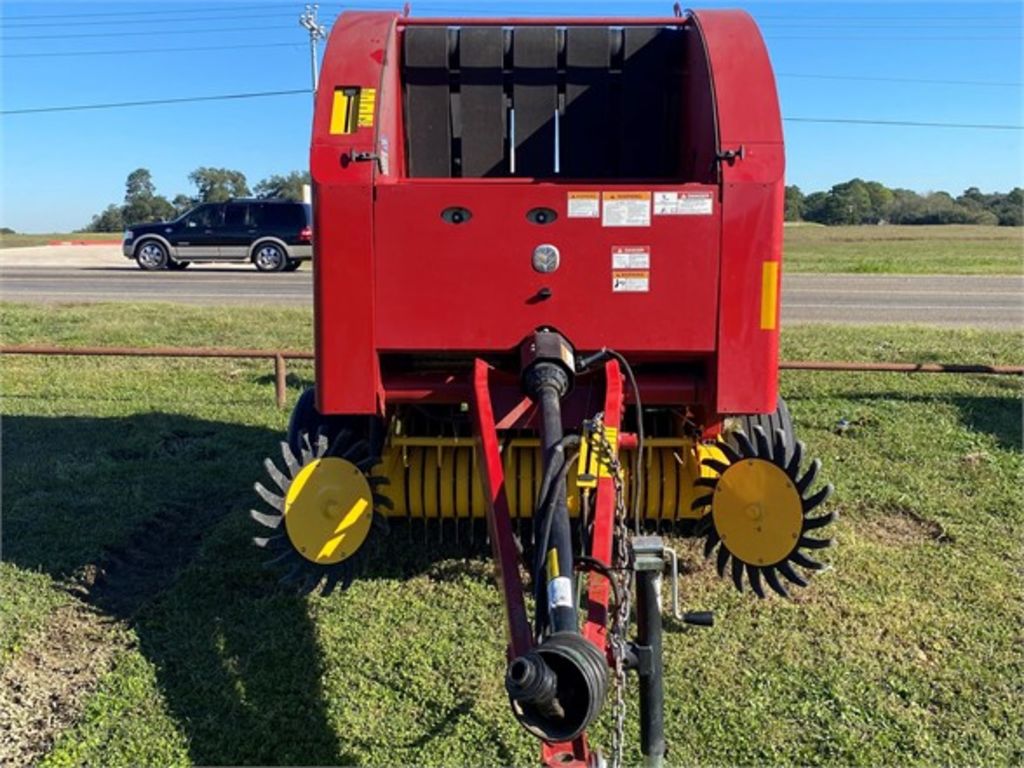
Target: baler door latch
730	155
362	157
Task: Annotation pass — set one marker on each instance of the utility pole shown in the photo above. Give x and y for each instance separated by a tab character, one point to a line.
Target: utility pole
316	32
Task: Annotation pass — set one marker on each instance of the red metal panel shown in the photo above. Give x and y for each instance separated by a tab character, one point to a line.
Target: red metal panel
472	287
596	627
747	113
348	377
503	547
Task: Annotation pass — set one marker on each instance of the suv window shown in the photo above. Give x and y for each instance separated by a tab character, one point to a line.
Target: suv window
235	216
205	217
279	215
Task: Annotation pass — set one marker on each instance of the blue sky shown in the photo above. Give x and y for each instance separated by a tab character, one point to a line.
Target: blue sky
60	168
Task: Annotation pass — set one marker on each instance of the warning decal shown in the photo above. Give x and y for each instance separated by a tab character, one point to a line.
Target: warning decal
584	205
683	203
367	107
626	209
631	257
631	281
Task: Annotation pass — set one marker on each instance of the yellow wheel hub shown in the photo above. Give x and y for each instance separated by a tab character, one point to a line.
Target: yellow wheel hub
328	510
757	511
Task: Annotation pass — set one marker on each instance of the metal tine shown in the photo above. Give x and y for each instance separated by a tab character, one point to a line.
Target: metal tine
271	543
360	448
812	472
754	575
381	523
308	583
703	501
805	562
289	459
731	453
746	447
340	439
737	573
815	543
723	560
793	467
322	443
716	465
279	477
277	502
305	449
286	556
292	576
365	465
706	482
712	540
347	575
329	583
787	570
269	521
773	581
813	501
811	523
764	450
780	451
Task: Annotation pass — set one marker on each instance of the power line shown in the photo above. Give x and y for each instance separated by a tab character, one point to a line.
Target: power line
176	11
904	123
232	96
871	79
162	33
118	105
135	22
255	47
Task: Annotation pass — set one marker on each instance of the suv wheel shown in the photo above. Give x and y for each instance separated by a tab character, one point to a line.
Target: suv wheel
269	258
151	255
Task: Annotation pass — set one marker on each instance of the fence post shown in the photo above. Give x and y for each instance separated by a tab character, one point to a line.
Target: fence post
280	379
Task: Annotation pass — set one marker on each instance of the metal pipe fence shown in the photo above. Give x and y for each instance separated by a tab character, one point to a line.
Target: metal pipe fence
280	358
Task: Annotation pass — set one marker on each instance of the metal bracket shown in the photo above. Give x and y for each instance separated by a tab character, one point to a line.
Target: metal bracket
695	618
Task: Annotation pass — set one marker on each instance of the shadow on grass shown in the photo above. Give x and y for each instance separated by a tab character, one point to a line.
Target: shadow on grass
143	517
997	416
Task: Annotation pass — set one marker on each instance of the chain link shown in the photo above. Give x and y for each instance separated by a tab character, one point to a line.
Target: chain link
622	568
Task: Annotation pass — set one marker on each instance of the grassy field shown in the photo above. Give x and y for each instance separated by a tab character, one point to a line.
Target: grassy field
125	558
20	240
949	249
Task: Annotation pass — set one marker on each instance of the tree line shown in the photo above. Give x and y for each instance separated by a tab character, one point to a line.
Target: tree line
213	185
870	202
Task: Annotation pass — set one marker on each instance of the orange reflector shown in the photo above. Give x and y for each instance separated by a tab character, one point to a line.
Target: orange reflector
769	295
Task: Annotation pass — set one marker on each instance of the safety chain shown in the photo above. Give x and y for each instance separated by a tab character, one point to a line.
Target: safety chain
622	568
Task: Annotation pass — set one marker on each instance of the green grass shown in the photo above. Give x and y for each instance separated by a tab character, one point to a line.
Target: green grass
21	240
908	651
948	249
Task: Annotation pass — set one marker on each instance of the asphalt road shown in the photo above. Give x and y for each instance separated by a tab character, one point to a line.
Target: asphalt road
953	300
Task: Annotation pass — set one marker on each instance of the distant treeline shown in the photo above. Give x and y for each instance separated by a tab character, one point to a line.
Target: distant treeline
870	202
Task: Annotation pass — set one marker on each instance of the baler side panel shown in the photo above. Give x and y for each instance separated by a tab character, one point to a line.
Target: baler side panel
347	368
747	114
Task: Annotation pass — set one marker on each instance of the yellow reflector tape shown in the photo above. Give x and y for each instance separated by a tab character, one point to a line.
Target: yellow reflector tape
367	107
769	295
553	564
343	110
347	521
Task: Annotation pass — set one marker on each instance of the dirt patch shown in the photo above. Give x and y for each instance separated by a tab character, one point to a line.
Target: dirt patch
903	526
42	688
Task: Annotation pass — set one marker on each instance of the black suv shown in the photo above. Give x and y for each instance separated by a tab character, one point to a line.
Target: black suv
275	235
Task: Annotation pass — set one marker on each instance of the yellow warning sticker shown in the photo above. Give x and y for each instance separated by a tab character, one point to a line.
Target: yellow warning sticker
631	281
367	107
